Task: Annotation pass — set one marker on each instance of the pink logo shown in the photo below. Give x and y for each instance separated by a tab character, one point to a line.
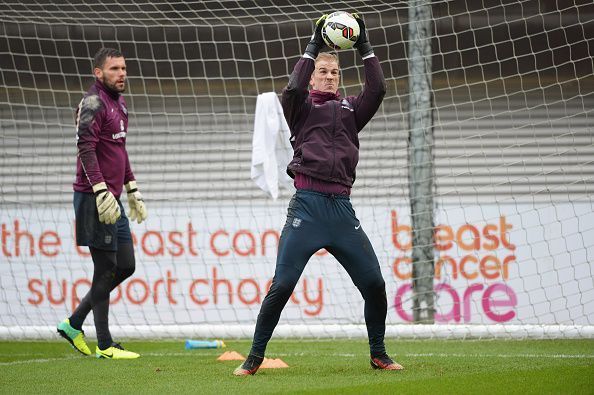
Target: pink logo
493	301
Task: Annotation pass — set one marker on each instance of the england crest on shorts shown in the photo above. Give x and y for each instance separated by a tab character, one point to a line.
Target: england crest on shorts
296	222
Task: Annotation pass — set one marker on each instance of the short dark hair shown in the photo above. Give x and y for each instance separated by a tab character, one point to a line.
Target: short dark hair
103	53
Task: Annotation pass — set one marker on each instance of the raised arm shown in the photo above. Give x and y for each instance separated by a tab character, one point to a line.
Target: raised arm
295	93
368	101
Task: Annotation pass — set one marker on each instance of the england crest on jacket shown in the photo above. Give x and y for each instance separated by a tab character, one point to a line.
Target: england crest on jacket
345	104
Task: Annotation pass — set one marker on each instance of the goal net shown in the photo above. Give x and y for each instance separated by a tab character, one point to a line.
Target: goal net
513	159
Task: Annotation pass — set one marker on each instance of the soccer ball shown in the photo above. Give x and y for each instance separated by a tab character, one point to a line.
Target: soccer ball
340	30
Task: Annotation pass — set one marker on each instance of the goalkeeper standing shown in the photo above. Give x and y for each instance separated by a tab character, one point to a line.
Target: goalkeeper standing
324	134
102	170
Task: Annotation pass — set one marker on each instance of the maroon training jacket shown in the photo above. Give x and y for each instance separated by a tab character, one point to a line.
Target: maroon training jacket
325	136
101	129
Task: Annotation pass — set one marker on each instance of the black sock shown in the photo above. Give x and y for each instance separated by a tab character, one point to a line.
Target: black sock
103	276
104	344
75	322
125	267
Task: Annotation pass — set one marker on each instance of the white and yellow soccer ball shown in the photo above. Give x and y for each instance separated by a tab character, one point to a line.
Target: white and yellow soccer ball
340	30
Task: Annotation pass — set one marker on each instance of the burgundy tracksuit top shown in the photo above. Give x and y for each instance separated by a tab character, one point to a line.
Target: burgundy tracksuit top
101	128
324	135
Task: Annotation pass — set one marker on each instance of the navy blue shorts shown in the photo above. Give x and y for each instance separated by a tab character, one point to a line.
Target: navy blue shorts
317	220
92	233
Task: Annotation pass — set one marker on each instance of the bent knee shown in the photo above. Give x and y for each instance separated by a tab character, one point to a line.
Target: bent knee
373	285
127	272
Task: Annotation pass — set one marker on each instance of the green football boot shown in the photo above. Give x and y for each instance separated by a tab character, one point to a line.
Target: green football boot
116	351
75	337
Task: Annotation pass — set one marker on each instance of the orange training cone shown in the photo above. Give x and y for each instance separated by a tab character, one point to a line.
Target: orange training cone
231	356
270	363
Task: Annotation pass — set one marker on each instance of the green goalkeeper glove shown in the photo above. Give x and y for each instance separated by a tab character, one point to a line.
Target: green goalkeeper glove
107	205
362	44
136	203
317	42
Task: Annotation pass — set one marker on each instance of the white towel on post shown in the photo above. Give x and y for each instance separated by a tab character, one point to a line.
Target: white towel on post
271	149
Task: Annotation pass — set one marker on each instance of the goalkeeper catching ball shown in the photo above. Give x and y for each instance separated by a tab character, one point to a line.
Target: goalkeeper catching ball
102	170
324	135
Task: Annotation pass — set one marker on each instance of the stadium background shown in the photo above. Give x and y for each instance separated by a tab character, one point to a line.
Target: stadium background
195	71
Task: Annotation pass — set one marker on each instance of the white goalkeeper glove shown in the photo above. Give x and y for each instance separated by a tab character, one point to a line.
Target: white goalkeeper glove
107	205
136	203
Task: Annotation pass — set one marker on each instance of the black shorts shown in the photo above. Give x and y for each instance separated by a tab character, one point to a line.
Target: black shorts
90	232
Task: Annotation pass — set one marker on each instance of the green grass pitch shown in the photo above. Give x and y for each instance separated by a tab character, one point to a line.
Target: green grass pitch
315	366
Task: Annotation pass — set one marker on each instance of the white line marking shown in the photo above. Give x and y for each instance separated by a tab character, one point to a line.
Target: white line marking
30	361
446	355
553	356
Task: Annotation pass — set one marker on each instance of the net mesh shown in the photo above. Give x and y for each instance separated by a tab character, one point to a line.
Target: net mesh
512	106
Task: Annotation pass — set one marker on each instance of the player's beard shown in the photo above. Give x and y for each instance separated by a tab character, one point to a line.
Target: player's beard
114	87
